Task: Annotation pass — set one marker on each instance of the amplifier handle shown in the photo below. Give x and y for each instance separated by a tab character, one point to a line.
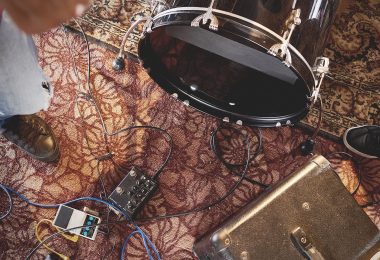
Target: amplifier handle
304	245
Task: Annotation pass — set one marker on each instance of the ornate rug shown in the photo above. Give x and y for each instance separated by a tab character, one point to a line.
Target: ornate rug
192	178
351	98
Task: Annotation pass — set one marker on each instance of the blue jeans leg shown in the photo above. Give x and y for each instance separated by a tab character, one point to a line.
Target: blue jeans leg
21	78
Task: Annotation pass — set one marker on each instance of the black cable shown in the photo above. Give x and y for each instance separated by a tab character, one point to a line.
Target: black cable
359	174
210	205
320	117
169	139
230	166
307	146
90	97
370	204
104	196
64	231
110	252
10	201
331	76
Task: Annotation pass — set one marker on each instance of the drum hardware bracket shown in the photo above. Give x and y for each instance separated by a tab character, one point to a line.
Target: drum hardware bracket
206	17
320	69
158	6
147	27
281	50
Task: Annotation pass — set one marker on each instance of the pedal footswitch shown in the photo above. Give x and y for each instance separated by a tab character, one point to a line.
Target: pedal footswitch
67	218
133	192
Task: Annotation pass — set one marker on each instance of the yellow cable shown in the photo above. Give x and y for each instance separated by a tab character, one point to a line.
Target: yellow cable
72	238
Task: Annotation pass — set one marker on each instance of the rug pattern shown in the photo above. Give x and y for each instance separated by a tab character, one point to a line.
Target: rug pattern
352	94
192	178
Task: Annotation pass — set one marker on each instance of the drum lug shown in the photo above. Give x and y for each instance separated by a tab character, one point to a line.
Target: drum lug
208	16
147	27
320	69
278	124
281	50
226	119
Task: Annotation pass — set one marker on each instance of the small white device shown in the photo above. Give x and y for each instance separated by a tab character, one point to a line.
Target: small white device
68	217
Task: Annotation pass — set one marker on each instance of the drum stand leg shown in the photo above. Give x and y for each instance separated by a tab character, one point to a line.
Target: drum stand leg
320	69
307	146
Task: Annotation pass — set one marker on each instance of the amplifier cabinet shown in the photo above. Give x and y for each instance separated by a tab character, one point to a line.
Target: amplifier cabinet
308	215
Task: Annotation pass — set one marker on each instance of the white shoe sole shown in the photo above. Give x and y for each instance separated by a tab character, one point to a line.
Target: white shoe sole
352	149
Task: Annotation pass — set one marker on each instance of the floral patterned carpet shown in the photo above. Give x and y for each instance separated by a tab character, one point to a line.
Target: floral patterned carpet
351	94
192	178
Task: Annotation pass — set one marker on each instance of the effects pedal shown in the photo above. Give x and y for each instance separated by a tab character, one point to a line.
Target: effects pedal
133	192
68	217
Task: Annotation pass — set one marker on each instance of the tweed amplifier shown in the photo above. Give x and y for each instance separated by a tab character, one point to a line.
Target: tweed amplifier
308	215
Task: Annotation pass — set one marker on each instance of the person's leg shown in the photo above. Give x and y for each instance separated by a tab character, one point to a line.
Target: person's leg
23	91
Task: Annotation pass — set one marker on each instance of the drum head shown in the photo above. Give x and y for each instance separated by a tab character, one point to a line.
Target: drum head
220	74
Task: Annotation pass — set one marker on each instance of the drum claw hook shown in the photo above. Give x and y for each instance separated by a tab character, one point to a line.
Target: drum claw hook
207	17
281	50
214	23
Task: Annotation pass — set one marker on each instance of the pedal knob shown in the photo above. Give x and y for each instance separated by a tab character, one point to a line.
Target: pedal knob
119	190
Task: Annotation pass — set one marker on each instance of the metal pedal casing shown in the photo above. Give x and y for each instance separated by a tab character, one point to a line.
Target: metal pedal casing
133	192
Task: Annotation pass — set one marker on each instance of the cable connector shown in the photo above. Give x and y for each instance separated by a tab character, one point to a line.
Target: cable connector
307	147
105	157
118	64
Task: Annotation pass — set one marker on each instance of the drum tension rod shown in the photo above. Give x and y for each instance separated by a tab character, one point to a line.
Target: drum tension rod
320	69
208	16
281	50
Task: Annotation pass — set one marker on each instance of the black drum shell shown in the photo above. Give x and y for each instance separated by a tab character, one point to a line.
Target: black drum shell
310	36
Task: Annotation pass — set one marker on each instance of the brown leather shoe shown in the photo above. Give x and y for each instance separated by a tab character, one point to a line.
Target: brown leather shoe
33	135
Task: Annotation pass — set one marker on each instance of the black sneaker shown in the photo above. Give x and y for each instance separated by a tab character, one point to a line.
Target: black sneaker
33	135
363	140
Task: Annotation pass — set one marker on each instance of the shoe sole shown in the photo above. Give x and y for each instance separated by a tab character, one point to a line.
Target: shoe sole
54	156
51	158
352	149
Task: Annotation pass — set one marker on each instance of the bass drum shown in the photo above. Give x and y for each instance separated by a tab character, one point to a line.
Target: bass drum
222	57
